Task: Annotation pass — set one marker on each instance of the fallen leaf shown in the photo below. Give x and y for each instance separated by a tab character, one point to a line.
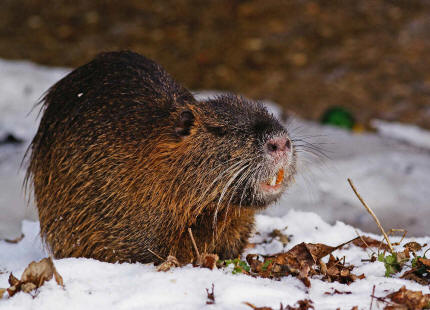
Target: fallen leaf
410	299
300	262
170	262
2	291
13	281
304	304
420	272
38	273
16	240
413	246
424	261
211	296
250	245
412	276
336	292
277	234
316	251
338	271
207	261
34	276
257	308
368	242
403	256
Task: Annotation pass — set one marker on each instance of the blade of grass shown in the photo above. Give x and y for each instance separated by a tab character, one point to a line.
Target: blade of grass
372	214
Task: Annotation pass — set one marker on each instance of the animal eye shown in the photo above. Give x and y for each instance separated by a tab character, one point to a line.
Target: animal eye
217	130
184	124
261	126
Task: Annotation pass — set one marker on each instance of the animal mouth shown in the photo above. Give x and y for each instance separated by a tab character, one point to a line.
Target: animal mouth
274	183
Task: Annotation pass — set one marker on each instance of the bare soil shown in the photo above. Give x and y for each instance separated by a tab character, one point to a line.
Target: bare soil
368	56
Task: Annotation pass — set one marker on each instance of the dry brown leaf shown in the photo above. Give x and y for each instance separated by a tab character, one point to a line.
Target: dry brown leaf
420	273
395	307
211	296
424	261
413	246
2	291
319	250
38	273
368	242
301	261
16	240
304	304
283	238
412	276
257	308
206	260
13	281
34	276
250	245
403	257
337	292
338	271
170	262
410	299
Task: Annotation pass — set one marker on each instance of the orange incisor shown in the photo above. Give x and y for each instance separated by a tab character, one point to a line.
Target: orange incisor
280	176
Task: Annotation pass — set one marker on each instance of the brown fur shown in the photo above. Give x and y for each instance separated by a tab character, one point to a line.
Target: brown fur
118	172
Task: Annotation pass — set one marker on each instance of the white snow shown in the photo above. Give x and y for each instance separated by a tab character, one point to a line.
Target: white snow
22	84
408	133
391	169
90	284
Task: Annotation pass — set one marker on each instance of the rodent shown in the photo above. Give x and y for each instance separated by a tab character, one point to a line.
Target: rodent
125	160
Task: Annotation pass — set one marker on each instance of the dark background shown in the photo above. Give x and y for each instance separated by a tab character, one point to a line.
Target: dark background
370	56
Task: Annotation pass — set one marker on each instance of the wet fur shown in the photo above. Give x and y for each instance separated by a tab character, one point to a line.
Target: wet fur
113	179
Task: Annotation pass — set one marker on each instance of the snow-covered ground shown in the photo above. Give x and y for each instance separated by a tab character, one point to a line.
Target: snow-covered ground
391	170
21	85
90	284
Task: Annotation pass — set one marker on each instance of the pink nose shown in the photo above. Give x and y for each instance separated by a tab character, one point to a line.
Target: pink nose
277	147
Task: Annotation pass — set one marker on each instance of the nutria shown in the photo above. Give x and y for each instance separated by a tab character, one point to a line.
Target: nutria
125	160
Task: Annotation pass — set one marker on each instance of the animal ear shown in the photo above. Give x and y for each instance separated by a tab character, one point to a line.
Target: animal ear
184	124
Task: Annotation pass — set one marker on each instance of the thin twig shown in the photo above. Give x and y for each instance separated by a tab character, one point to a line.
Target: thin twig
155	254
373	294
193	241
372	214
393	230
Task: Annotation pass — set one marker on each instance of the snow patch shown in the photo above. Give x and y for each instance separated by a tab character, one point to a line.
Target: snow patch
90	284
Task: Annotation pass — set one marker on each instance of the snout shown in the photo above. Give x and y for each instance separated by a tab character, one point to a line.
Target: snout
278	147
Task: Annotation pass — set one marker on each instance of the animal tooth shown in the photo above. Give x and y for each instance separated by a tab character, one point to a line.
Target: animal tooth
273	181
280	176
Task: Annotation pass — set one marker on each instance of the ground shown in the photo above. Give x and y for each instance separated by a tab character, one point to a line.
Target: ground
90	284
368	56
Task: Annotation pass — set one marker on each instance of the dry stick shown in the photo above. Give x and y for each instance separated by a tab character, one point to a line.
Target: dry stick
367	246
345	243
373	296
155	254
194	242
362	240
372	214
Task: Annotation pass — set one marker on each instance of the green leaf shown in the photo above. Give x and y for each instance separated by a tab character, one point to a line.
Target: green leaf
244	265
415	261
239	266
266	264
391	264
